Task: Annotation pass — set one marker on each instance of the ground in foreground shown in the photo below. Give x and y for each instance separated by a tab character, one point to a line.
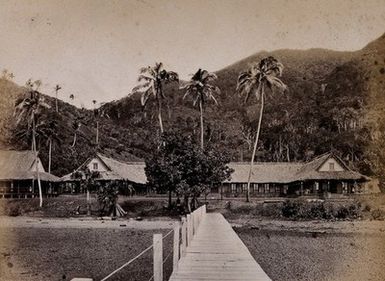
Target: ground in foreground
324	251
40	253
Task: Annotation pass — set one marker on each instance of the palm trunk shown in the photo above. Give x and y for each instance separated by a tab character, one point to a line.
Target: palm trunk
49	156
57	108
37	162
160	115
74	142
97	132
255	145
201	120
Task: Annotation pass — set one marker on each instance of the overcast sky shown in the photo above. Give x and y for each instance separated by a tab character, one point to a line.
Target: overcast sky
94	49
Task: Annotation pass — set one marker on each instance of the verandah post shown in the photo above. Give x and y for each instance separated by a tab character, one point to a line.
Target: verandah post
158	257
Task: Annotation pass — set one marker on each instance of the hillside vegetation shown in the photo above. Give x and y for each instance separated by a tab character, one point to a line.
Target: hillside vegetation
335	102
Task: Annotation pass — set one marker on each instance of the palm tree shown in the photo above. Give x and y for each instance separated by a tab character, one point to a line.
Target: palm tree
30	109
76	124
49	131
96	114
201	88
57	88
256	80
152	80
72	97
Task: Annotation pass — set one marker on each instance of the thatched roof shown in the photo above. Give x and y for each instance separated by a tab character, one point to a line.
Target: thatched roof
133	171
286	172
310	170
117	170
266	172
20	165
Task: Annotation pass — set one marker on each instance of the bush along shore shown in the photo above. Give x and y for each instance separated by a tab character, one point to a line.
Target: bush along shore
304	209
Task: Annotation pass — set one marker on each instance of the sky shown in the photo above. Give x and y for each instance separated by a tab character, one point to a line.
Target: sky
93	49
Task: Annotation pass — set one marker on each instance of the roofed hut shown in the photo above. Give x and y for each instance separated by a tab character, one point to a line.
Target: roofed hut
18	176
130	175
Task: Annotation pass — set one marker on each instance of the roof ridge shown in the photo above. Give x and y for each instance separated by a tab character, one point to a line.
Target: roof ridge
268	163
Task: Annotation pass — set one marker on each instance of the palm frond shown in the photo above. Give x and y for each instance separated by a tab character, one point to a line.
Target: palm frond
145	97
276	82
145	77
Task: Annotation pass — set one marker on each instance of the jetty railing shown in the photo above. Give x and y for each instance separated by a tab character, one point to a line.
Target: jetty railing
183	234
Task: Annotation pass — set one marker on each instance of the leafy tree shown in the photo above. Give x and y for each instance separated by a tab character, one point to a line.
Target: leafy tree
180	166
255	81
5	74
201	89
152	80
30	110
88	181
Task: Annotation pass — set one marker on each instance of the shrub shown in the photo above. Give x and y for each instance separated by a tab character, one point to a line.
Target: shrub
318	211
378	214
291	209
14	210
297	209
367	208
271	210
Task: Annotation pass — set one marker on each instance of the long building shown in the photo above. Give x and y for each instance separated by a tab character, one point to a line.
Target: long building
326	174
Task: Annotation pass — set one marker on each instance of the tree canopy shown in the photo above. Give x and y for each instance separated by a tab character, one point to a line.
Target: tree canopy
180	166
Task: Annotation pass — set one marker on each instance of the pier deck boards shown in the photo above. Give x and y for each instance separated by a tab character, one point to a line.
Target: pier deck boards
217	253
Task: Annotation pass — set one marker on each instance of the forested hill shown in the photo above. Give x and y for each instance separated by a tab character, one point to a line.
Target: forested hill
335	102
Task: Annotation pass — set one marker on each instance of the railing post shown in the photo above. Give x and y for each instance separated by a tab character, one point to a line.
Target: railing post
184	238
189	230
176	248
158	257
193	215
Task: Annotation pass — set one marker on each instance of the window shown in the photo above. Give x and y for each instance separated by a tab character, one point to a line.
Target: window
233	188
331	166
267	188
95	166
260	188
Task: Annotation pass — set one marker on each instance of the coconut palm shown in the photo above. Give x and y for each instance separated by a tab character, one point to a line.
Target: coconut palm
76	124
200	87
96	114
57	88
44	130
152	80
30	109
255	81
72	97
49	131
